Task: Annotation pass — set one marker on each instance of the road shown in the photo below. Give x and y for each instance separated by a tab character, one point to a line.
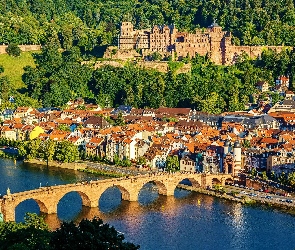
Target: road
260	195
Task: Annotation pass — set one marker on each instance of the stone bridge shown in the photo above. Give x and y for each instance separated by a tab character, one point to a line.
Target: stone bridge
90	192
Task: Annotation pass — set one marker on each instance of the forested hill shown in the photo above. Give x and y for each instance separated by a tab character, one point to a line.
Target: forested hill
88	23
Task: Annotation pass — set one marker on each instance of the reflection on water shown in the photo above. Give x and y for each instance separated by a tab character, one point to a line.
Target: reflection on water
111	207
186	221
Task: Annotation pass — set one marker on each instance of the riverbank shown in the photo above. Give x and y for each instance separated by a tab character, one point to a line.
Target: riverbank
90	167
73	165
243	199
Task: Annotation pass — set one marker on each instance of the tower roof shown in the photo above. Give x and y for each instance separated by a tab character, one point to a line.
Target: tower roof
237	144
214	24
226	143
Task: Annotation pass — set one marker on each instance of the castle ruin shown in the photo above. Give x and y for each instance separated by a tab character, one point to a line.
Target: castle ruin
167	40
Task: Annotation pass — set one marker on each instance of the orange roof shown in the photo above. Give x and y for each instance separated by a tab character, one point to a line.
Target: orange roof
18	125
96	140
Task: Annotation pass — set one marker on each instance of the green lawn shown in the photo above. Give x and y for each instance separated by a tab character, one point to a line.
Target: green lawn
13	67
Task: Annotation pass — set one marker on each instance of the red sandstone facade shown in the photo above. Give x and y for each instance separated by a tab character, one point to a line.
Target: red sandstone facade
167	39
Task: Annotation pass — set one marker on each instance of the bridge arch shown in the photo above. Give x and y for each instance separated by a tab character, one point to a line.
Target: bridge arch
190	181
70	203
216	181
16	208
42	205
229	181
149	191
125	193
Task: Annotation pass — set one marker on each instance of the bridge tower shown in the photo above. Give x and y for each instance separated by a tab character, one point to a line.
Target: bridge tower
237	158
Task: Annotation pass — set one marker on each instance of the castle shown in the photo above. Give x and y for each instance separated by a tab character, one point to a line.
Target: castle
167	40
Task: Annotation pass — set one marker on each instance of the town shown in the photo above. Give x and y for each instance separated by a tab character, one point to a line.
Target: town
184	139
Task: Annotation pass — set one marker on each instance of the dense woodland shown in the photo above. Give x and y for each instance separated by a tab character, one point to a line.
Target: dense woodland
88	23
73	31
60	77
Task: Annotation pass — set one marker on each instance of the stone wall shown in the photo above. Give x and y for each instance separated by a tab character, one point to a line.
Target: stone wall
232	52
72	166
159	66
22	47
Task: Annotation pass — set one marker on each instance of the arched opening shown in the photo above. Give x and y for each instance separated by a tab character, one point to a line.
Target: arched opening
183	188
70	205
229	181
29	206
216	181
112	198
150	192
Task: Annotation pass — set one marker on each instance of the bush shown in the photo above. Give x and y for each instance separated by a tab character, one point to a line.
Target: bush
13	50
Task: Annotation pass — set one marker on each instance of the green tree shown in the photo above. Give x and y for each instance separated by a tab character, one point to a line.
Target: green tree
47	150
141	160
264	176
246	144
119	121
253	172
116	160
89	235
291	179
172	163
126	163
66	152
33	148
32	234
64	127
283	178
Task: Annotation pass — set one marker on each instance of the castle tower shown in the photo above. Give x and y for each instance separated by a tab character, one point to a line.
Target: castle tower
216	37
126	38
126	29
237	158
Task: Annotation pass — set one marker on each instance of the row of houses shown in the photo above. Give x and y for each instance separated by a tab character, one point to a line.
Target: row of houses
202	142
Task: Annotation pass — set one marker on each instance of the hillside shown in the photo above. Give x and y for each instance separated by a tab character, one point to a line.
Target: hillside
89	23
13	67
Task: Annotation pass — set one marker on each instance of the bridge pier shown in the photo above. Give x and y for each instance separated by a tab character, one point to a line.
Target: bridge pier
132	197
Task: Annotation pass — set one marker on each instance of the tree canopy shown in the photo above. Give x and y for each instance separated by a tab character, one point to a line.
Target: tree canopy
90	23
35	234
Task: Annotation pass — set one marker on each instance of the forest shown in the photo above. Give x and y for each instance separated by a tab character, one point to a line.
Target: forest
59	77
91	23
73	31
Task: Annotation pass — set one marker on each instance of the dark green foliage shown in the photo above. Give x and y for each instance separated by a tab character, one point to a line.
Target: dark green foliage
63	151
88	23
13	50
34	234
88	235
60	77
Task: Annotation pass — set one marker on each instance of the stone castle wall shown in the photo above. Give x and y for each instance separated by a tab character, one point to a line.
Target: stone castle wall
22	47
168	40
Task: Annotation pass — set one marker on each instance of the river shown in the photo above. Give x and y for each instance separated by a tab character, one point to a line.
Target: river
186	221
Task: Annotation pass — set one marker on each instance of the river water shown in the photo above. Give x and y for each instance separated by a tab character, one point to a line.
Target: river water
186	221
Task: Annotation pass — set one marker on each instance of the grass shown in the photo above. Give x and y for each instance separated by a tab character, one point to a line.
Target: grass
13	67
